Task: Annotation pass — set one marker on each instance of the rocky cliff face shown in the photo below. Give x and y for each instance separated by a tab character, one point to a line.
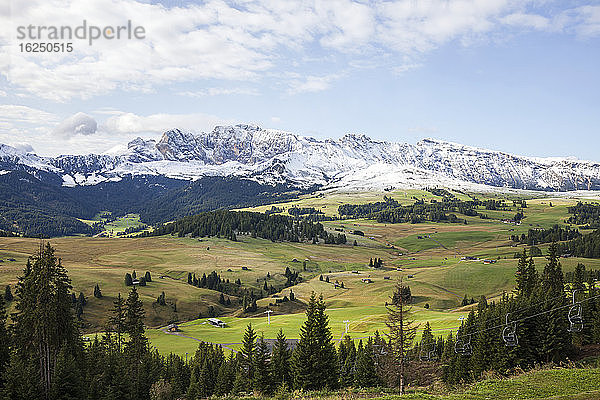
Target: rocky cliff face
272	156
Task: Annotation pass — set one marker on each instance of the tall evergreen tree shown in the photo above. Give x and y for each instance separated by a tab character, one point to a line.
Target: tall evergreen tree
8	296
401	332
366	374
315	358
4	343
116	321
44	318
262	375
555	339
134	325
281	371
67	382
247	352
521	274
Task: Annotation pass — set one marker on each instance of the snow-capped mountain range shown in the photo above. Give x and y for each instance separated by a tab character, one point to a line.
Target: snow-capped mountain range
272	156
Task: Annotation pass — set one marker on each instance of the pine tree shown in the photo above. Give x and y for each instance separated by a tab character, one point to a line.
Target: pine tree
18	382
427	341
148	277
280	361
128	279
116	321
521	275
556	339
401	331
223	383
134	325
247	352
97	292
4	343
315	358
366	375
66	382
532	277
262	376
347	359
8	296
44	318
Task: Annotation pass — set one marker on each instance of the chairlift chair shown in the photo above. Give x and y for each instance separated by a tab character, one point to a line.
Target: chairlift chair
462	346
575	316
509	333
428	351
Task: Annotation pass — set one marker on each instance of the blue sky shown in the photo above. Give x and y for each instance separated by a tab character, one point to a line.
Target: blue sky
516	76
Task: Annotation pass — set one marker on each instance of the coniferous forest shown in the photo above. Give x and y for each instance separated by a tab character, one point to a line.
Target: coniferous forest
228	224
44	356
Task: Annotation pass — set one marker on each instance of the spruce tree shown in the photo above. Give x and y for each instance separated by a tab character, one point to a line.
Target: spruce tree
18	382
247	352
532	277
128	279
116	321
401	332
223	383
280	361
97	292
66	382
521	276
556	339
315	358
134	326
4	343
262	376
347	359
366	375
44	317
8	296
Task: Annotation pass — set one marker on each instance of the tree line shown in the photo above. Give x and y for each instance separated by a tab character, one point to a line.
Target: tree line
391	211
43	356
587	214
529	327
556	233
228	224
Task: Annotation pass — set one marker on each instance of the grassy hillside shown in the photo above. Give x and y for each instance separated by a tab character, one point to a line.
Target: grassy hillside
431	265
556	384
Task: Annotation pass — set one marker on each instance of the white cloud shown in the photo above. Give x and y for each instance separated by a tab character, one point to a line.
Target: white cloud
245	41
22	126
312	83
404	68
22	147
217	91
528	20
126	123
15	114
78	124
587	21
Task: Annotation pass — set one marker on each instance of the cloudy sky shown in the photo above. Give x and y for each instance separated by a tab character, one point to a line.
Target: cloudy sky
520	76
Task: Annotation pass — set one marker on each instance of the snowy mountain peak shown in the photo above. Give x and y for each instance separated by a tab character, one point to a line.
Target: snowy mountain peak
273	156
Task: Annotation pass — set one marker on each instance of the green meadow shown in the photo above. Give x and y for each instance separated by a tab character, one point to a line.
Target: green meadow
432	266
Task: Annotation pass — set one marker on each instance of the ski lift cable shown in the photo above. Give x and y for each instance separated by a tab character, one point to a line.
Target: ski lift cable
519	310
526	308
524	318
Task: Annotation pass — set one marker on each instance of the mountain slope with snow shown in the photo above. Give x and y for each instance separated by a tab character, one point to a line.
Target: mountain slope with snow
272	156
